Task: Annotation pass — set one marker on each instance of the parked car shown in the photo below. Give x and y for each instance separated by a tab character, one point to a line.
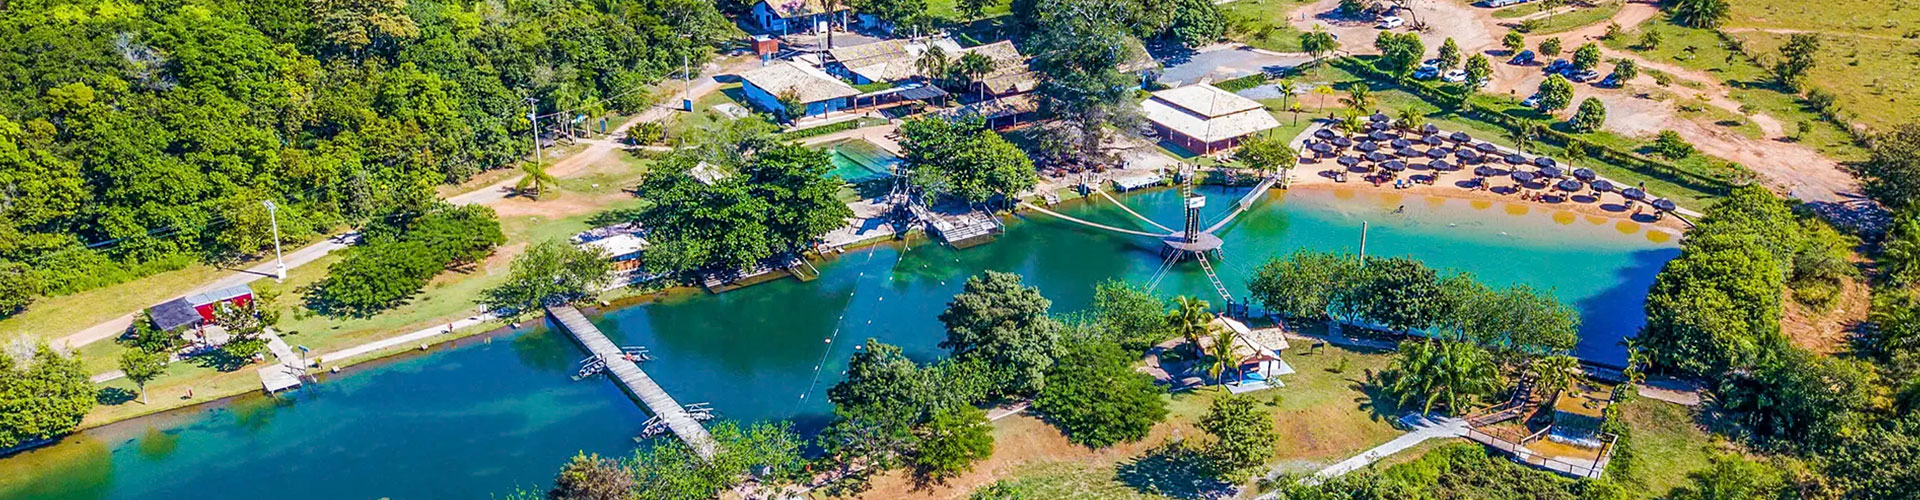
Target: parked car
1391	22
1612	81
1582	75
1533	101
1524	58
1428	70
1558	66
1454	76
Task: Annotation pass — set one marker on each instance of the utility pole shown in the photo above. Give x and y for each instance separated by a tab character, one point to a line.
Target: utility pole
280	265
533	117
1363	243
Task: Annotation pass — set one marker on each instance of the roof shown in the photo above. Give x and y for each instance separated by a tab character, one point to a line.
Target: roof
1010	72
791	8
212	296
608	231
1000	107
1207	113
173	314
890	60
619	245
811	84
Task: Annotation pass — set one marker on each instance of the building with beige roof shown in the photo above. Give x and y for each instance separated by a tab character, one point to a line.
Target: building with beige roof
887	60
1204	119
819	92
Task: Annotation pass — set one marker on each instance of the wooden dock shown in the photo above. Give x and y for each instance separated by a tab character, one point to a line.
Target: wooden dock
633	379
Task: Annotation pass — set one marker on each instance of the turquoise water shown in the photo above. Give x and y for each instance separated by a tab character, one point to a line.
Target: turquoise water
859	160
480	417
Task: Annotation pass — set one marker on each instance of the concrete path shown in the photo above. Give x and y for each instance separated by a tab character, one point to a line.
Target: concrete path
1422	430
408	339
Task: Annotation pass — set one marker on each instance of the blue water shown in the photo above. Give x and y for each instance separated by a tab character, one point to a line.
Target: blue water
487	414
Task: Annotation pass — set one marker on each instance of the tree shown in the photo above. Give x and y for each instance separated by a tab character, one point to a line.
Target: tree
1359	98
1318	43
534	180
1267	153
934	62
550	272
1555	373
1590	117
1242	431
1550	46
973	9
998	320
1136	318
952	440
1449	54
1892	170
1222	357
1514	41
1717	306
1399	53
1302	285
1707	14
1079	47
964	159
1191	318
1626	70
970	68
18	287
1587	56
590	477
1729	477
1479	71
1197	23
1797	57
245	330
905	15
1649	40
671	471
141	367
1097	399
1556	93
1399	293
42	399
1669	144
1879	463
1351	8
354	25
1447	374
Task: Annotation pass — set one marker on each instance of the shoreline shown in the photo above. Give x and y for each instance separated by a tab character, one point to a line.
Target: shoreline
1312	181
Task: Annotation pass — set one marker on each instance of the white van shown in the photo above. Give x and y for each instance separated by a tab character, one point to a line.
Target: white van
1391	22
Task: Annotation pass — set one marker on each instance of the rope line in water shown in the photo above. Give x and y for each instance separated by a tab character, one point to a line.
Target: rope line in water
834	337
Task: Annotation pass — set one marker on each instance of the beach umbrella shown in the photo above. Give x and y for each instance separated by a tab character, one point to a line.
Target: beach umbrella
1323	133
1516	159
1633	193
1583	174
1377	157
1401	143
1467	155
1436	153
1665	204
1544	162
1432	140
1601	185
1522	176
1348	161
1550	172
1461	137
1395	165
1380	135
1568	185
1430	129
1368	146
1379	117
1407	152
1440	165
1486	171
1487	147
1342	142
1377	126
1321	147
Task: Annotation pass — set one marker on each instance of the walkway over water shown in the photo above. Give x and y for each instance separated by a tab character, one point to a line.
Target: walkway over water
636	381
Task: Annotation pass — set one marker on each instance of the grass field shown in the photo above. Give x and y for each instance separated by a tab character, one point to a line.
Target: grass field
1666	446
1578	18
1861	17
1872	79
1263	23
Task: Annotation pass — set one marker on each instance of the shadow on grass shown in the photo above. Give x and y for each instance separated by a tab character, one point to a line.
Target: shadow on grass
1379	403
114	396
1174	470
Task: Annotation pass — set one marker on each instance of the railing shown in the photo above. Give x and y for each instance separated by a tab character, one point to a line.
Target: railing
1521	453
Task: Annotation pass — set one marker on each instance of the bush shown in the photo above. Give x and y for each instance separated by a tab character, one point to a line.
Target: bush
1590	117
1669	144
1097	399
399	253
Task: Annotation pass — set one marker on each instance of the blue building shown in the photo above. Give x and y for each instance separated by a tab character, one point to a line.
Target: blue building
819	92
785	16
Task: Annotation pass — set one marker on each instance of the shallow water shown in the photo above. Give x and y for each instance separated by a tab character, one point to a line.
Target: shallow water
479	418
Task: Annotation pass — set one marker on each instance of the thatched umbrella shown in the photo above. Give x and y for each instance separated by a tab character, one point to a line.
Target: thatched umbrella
1437	153
1368	146
1460	137
1407	153
1568	185
1516	159
1522	176
1601	185
1550	172
1665	204
1584	174
1394	165
1486	147
1323	133
1379	118
1633	193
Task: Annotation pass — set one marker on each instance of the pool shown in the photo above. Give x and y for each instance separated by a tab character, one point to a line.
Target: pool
860	160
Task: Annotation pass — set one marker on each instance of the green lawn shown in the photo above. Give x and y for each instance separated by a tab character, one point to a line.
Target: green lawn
1865	17
948	11
1871	78
1568	21
1263	23
1666	445
703	116
1063	481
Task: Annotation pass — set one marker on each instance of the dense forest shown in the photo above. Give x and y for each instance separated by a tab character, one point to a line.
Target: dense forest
139	136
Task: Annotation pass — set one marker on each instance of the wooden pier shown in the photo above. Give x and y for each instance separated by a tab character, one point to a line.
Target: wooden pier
628	373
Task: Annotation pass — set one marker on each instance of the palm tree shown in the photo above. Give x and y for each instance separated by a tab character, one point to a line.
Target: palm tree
1442	373
1223	354
1359	98
1555	372
933	63
1191	318
536	179
1410	120
1352	123
1324	91
1318	42
1286	88
970	67
1522	132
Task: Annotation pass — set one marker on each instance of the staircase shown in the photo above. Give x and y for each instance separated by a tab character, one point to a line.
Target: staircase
1213	276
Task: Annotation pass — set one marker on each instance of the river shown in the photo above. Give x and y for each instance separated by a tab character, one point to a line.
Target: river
490	413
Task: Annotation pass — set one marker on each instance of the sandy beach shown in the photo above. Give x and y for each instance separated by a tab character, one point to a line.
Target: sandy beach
1608	205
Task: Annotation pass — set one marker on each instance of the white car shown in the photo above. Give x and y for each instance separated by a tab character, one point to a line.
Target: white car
1390	22
1532	101
1454	76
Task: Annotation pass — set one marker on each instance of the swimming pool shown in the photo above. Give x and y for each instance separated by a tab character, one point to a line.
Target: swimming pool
860	160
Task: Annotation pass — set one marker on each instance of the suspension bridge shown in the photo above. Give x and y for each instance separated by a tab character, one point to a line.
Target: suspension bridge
1191	241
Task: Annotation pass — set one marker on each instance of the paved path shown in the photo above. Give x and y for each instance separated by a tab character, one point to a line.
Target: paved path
287	373
408	339
116	326
1423	429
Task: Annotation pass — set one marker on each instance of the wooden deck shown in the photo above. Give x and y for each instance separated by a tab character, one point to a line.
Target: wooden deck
633	379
